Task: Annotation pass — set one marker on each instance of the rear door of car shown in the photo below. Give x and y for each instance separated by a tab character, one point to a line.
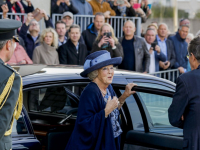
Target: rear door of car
146	112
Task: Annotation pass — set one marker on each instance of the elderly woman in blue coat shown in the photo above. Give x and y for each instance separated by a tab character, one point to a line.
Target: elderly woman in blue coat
97	126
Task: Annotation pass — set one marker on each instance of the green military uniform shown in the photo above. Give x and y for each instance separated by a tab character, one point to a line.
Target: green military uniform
10	88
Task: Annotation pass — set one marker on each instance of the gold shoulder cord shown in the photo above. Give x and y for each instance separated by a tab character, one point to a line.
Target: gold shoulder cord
4	95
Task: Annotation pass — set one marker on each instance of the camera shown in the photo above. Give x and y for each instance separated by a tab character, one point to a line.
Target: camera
154	45
106	45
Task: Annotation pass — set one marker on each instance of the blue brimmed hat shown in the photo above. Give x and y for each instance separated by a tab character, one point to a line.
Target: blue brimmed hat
98	60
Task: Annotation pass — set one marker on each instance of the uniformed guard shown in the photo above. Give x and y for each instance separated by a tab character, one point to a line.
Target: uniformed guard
10	83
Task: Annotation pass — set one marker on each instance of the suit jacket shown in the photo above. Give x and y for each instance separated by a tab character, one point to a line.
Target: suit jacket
171	57
186	102
6	112
141	54
68	53
159	57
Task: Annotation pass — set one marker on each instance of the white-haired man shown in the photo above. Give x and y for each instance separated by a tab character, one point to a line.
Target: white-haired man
31	38
166	47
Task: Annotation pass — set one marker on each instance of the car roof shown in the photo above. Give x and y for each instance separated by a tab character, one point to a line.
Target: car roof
70	72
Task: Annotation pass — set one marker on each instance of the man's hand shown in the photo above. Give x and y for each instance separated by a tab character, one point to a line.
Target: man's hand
5	10
58	2
127	4
45	14
107	14
151	50
157	48
182	118
181	69
164	65
67	2
29	3
29	18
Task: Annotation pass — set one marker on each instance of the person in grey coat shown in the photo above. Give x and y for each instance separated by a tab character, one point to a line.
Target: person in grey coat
136	54
184	110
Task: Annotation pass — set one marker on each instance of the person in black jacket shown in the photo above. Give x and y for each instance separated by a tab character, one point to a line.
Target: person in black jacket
90	34
31	38
68	18
61	6
73	52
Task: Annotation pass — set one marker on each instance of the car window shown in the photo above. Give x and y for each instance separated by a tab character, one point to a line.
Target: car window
54	100
157	107
19	126
134	111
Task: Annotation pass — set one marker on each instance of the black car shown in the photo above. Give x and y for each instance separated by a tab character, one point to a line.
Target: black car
51	98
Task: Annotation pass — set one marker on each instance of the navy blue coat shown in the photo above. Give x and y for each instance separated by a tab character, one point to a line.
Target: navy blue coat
160	57
28	40
186	102
180	47
92	130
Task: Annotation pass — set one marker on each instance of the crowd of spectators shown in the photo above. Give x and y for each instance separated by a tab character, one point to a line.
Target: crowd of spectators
64	43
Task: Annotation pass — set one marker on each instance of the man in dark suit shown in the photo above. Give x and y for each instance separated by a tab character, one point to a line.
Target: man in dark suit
184	111
73	52
166	46
10	83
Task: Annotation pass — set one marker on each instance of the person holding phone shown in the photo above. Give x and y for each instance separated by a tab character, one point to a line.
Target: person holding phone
123	8
139	12
146	7
106	40
154	49
31	25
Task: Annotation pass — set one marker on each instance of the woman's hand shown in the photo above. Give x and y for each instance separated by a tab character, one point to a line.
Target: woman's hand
103	40
128	91
112	42
127	4
140	11
111	105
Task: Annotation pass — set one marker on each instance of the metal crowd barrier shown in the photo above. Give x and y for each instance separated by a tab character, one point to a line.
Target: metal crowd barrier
116	22
171	75
19	16
14	16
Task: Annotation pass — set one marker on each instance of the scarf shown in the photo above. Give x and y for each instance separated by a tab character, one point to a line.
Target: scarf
114	118
122	10
21	10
